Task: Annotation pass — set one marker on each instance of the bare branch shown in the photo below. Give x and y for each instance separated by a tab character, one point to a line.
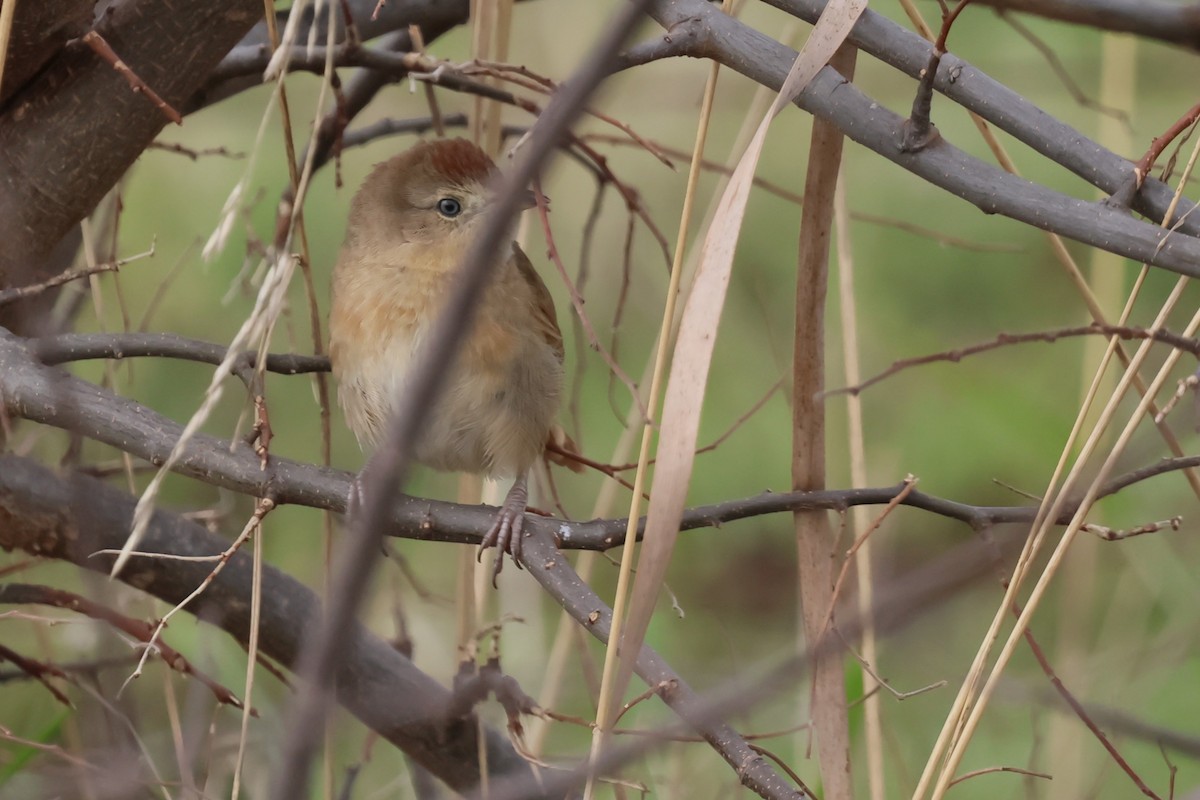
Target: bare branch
102	48
1007	339
433	18
759	58
1081	712
68	347
73	518
25	594
45	186
1166	20
21	292
44	394
391	460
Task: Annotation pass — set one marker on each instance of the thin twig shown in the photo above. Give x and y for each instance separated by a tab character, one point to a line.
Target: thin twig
101	48
1183	343
1146	163
577	304
919	131
193	154
38	671
25	594
21	292
153	641
1060	70
988	770
1080	711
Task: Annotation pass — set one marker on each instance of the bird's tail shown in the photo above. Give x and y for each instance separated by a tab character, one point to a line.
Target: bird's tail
562	450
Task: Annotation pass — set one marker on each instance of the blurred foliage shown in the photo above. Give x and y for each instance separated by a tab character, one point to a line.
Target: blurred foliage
1120	627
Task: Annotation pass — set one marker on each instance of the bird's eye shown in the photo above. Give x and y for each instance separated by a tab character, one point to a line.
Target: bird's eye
449	207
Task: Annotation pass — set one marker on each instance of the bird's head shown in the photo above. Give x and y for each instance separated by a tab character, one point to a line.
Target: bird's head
432	193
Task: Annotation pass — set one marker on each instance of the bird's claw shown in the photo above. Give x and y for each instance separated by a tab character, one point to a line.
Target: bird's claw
505	536
506	531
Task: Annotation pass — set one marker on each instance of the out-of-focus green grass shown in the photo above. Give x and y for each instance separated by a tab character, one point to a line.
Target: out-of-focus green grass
1003	416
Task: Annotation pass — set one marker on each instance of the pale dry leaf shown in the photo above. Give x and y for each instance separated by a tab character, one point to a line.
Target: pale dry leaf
278	63
697	338
257	329
266	310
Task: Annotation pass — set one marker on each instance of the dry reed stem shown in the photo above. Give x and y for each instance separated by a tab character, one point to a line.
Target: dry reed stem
859	477
584	565
970	722
8	10
612	682
815	542
1118	70
501	37
473	596
694	347
97	295
568	628
267	304
251	649
1046	511
293	225
174	720
1033	544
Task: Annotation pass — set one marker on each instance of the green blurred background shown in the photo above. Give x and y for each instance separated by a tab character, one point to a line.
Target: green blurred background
1120	623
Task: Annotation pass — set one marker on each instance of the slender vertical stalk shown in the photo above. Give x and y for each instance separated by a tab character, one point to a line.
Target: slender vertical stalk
872	712
814	539
8	9
1107	277
606	708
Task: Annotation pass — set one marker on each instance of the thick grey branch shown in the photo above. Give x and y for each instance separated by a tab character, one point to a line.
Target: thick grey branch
39	30
992	190
1165	20
982	94
433	17
46	394
70	132
34	391
73	518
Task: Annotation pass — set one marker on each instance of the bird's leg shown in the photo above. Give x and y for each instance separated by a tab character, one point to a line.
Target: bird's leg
357	498
505	533
358	491
358	487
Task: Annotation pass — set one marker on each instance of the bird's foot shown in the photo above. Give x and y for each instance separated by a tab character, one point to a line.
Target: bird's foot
506	530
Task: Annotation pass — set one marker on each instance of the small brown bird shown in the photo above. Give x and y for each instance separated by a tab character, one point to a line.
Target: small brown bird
410	227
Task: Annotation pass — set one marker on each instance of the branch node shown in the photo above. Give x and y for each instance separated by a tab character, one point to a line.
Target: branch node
100	47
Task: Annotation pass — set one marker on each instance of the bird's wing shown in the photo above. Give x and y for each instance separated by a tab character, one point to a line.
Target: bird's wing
545	317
